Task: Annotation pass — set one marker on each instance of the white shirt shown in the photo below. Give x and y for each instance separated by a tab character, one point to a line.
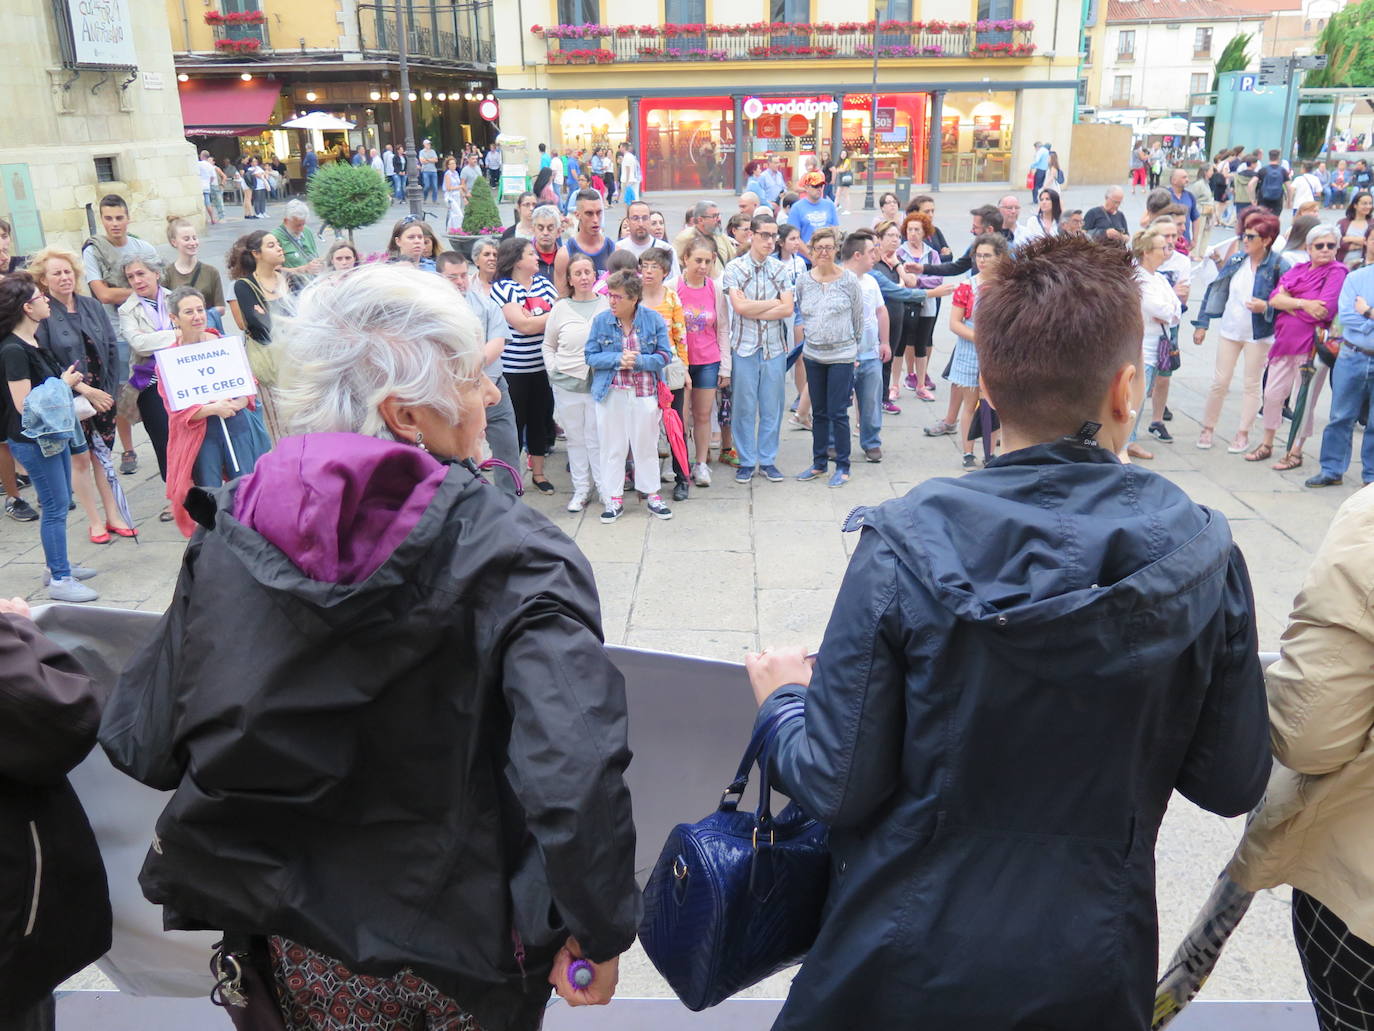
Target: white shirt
377	164
1033	229
388	162
209	175
556	166
629	169
1159	309
873	300
638	250
1235	318
1305	188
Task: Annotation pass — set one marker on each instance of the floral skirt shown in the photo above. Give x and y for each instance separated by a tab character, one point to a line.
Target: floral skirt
318	993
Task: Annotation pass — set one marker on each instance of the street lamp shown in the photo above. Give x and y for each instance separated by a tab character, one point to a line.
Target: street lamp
414	194
879	12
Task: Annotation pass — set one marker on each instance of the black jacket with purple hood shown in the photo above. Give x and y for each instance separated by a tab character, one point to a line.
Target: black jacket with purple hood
381	698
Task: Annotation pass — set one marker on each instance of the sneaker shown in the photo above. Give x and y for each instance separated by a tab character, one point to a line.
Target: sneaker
128	463
728	456
873	454
925	394
680	491
891	409
772	473
578	501
744	474
1161	432
930	383
1168	415
969	461
614	510
78	573
22	480
1204	440
701	475
1240	445
72	590
20	510
940	429
657	508
911	382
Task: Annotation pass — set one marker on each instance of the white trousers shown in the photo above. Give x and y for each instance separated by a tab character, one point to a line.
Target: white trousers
626	423
576	413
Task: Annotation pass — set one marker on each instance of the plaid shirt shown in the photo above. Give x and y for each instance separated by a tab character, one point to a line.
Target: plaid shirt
644	384
758	281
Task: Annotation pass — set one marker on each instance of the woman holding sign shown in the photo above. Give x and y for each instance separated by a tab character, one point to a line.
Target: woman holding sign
213	443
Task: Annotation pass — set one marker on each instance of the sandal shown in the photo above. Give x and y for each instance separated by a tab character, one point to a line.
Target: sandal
1261	454
1292	460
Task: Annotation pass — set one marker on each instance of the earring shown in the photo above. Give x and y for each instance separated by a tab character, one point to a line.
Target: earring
420	441
1132	416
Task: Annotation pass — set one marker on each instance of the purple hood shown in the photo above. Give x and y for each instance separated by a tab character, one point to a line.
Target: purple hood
338	504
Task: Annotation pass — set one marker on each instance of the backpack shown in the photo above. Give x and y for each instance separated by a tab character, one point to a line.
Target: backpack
1271	183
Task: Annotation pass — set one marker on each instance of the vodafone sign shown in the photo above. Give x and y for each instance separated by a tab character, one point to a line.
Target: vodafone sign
756	108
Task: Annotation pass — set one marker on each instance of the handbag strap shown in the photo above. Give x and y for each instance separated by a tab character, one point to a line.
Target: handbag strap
757	752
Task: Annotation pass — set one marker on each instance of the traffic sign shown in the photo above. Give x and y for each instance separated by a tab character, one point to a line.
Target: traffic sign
1245	83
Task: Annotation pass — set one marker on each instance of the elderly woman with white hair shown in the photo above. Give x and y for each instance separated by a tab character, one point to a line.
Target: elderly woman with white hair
145	321
396	744
1306	300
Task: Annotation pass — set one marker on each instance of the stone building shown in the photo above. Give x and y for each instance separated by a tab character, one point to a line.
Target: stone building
90	108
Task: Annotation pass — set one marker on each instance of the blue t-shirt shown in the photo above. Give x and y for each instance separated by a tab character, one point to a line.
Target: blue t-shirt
808	216
1189	203
1042	160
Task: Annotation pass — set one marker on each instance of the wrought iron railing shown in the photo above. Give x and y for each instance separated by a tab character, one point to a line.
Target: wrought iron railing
242	39
438	33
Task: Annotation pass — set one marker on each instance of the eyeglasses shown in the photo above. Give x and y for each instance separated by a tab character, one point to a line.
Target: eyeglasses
615	297
765	236
1323	246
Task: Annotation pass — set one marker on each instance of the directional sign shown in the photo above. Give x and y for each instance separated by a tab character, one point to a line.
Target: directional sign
1311	64
1273	71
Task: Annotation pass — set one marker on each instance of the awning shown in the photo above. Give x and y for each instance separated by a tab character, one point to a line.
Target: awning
227	107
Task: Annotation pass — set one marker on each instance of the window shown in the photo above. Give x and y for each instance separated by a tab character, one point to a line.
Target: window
243	31
1087	50
1200	82
995	10
790	10
684	12
105	170
1125	45
1121	90
1202	42
1082	92
579	12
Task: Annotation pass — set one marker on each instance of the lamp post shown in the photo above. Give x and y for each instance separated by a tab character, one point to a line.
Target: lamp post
414	194
869	202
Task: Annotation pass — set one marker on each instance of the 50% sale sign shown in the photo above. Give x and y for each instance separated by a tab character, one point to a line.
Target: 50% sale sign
197	374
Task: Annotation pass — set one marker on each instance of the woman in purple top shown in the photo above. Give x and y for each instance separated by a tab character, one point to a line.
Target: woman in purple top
1305	300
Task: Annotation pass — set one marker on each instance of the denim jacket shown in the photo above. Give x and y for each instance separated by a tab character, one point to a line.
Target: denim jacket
49	418
1266	279
606	343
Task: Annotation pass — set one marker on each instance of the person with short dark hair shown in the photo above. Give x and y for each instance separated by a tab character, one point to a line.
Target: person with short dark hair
589	238
1020	669
1272	185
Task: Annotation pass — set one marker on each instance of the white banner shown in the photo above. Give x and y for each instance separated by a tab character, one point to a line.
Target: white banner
103	32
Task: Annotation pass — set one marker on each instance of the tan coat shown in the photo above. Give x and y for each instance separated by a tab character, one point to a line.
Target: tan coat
1315	829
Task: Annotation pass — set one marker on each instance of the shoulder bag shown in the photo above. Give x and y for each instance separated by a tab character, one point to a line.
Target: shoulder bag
737	896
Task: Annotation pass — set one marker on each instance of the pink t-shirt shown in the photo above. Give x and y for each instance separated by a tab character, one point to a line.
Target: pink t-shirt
699	311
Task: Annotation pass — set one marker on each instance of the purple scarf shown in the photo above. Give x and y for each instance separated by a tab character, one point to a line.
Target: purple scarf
144	373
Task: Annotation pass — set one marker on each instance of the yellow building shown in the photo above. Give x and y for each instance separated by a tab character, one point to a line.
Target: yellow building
90	109
964	89
246	66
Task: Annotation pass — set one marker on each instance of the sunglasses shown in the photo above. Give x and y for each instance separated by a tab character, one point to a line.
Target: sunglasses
1250	236
1323	246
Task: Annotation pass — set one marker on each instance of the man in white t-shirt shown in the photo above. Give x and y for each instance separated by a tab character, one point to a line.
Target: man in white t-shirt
211	187
857	254
1306	187
640	239
560	179
630	174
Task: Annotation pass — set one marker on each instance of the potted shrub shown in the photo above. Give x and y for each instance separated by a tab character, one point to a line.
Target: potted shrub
349	197
480	218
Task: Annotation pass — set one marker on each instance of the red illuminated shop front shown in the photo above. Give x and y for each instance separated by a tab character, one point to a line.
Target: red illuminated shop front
688	143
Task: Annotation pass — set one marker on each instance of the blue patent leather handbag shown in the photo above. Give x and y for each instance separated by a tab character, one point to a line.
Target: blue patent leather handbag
737	896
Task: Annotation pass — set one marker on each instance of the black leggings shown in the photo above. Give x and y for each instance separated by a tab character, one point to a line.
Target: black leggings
155	422
532	398
1338	965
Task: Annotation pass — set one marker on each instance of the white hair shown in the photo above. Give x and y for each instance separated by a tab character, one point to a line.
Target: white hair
149	261
1320	230
378	331
296	208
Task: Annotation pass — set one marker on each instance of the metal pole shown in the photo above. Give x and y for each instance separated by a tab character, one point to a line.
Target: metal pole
413	191
870	203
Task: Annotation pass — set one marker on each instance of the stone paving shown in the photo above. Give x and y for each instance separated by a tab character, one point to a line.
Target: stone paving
739	567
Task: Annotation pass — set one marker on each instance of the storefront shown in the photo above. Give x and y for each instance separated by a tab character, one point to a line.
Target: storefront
588	125
976	137
688	143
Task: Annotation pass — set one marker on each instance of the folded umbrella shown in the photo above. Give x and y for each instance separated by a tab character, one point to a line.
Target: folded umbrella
672	426
102	453
1306	372
1195	958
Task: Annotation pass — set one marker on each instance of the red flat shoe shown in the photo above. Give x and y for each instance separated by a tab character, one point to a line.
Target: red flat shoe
100	538
122	531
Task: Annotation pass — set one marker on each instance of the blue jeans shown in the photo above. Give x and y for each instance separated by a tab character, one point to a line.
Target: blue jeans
429	181
829	384
759	389
398	186
215	464
1352	387
52	480
868	394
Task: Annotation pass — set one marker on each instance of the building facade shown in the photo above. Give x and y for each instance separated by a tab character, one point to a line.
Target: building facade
246	66
1146	58
703	88
91	109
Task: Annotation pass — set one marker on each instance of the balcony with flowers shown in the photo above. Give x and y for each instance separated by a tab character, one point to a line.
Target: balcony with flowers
593	44
239	33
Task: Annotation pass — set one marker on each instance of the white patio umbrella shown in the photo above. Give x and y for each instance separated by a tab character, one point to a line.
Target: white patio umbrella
317	120
1171	127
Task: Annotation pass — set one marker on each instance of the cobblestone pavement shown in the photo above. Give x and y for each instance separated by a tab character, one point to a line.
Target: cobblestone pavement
744	566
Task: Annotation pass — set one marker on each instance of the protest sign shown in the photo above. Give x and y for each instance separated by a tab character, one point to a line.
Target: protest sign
196	374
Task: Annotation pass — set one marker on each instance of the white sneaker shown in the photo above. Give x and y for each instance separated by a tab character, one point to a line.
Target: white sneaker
701	475
78	573
578	501
70	589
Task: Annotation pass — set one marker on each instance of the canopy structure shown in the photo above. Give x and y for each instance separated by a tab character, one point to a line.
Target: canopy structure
227	107
1171	127
317	120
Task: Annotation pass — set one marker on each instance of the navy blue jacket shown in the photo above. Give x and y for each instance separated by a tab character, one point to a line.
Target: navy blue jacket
1022	665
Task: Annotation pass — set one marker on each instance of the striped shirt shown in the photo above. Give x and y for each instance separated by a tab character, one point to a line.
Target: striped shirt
524	352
